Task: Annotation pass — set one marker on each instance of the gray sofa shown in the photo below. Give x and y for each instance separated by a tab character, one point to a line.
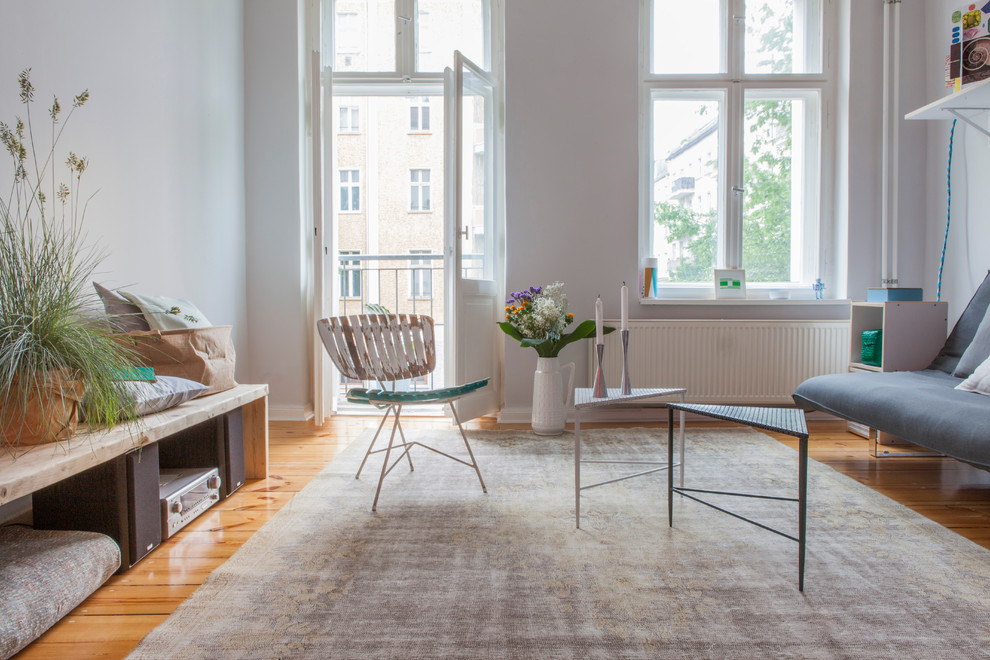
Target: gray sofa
922	407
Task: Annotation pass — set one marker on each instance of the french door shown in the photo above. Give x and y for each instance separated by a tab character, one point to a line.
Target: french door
474	233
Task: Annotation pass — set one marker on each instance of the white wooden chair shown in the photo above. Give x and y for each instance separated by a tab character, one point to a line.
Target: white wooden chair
387	348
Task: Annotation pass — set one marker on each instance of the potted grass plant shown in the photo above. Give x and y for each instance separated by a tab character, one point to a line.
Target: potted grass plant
55	346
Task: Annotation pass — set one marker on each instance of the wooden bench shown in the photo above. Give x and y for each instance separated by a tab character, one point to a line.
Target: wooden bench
45	465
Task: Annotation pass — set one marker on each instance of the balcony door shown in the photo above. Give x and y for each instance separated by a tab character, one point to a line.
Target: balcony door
474	234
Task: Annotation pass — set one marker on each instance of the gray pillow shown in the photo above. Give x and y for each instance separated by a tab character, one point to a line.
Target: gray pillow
965	329
124	315
166	392
977	352
151	397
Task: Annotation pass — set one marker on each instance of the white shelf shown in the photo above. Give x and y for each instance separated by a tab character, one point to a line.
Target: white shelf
964	105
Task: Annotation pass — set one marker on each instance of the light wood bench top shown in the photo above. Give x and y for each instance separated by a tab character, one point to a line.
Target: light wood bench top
44	465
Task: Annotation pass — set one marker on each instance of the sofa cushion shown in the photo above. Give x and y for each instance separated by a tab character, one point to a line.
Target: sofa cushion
965	329
922	407
978	381
45	574
978	350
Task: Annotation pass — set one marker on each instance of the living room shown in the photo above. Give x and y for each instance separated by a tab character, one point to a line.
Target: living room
197	134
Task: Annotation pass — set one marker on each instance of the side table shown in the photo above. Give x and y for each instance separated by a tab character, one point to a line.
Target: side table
584	398
790	421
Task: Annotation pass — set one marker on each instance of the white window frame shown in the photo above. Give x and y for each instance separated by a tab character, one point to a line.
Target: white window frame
420	277
733	84
349	187
352	125
416	188
350	276
405	52
417	106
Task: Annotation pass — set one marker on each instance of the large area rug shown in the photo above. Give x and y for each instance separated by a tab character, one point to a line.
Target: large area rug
443	570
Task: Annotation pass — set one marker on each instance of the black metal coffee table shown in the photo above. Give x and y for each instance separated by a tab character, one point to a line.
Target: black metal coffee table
789	421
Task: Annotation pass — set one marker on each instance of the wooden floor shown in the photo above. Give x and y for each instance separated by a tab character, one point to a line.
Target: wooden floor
113	620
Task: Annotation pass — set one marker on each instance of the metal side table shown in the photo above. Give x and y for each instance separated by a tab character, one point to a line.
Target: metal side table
584	398
789	421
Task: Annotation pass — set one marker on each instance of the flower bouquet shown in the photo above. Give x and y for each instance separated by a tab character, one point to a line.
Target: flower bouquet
537	318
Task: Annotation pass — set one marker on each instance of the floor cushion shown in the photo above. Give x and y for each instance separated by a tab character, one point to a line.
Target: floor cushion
45	574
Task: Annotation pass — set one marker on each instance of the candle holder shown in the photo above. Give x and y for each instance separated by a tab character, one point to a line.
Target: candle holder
601	392
626	386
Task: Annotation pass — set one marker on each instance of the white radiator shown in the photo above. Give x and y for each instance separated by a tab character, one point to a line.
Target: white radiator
726	361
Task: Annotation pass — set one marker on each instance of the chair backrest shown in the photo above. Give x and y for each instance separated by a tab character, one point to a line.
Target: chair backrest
382	347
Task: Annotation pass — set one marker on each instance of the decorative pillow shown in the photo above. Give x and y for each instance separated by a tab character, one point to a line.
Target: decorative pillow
164	313
164	393
979	382
124	316
977	351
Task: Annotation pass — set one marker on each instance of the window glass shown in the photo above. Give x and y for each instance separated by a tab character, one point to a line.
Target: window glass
444	26
685	186
687	36
777	205
350	275
783	36
419	190
364	35
350	190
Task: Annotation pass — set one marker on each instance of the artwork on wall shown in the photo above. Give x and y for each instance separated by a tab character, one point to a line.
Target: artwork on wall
969	46
730	283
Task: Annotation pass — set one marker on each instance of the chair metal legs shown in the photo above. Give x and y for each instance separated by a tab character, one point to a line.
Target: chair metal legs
396	411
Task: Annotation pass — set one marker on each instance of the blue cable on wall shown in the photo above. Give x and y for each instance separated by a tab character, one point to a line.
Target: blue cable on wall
948	211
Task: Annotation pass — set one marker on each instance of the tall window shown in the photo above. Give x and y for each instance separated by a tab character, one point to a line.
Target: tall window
733	177
420	276
350	190
350	121
419	190
350	275
419	115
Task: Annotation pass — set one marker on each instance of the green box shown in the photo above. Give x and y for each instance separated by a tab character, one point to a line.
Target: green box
872	351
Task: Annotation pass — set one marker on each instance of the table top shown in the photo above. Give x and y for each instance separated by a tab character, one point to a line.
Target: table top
790	421
584	396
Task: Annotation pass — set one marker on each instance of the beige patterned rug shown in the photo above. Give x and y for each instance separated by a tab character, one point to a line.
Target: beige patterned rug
444	571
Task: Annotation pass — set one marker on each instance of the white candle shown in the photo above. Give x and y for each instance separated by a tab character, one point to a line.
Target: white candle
625	306
599	334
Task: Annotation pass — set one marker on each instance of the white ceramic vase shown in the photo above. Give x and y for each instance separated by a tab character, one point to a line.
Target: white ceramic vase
551	400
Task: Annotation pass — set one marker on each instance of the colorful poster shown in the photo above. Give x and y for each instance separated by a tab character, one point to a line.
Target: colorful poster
969	46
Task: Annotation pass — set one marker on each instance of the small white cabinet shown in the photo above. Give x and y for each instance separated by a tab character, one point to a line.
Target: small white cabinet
913	333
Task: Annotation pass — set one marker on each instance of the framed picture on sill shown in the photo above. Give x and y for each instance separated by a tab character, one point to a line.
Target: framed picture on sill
730	283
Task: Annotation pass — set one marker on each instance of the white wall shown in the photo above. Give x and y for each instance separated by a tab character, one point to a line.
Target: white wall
967	257
277	250
163	131
572	151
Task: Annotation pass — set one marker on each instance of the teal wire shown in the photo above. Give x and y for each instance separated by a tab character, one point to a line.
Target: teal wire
948	211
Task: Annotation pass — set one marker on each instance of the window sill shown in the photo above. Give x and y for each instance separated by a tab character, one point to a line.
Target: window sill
745	302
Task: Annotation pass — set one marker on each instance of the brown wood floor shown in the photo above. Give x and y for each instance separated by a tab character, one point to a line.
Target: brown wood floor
111	622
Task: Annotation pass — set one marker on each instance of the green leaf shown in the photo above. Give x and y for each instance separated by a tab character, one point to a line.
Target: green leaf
510	330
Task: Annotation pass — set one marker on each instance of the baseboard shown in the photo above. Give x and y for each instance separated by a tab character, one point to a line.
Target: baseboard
290	413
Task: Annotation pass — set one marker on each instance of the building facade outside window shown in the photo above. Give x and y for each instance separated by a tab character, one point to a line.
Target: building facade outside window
733	177
419	115
419	190
350	190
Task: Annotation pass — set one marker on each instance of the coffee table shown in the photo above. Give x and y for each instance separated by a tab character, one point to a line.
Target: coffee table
584	398
789	421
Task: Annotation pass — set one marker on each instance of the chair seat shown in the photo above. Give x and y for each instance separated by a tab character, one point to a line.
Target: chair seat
362	395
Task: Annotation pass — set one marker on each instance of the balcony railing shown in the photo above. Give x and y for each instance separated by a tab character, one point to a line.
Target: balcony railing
402	284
